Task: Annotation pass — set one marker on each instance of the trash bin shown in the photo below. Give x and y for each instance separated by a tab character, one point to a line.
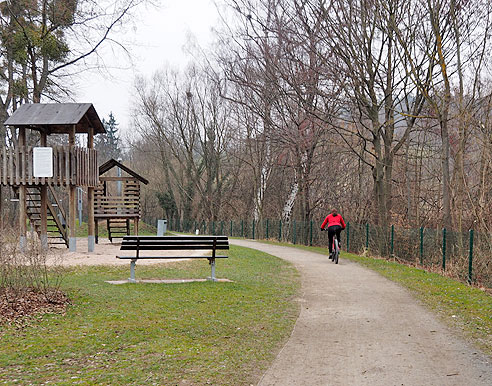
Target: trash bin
161	227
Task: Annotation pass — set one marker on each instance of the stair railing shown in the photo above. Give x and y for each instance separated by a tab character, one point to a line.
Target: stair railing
51	207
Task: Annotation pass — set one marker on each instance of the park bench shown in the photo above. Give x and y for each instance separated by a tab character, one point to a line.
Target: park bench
172	243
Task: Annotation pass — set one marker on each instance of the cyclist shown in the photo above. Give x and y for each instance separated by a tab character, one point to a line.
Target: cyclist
335	226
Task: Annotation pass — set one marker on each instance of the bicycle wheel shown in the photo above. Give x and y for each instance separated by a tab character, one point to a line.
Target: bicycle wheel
336	253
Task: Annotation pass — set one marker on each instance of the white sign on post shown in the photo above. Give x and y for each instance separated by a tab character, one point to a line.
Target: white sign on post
42	161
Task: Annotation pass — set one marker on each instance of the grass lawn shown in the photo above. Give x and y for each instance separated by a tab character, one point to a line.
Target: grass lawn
162	334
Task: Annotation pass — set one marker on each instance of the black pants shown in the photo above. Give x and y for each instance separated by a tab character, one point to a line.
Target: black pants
332	231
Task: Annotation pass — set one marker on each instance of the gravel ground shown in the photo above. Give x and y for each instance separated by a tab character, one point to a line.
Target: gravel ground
358	328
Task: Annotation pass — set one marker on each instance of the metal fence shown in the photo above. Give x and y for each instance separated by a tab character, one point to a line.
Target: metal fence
467	256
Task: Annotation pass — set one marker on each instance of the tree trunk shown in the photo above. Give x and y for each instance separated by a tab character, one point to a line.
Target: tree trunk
446	194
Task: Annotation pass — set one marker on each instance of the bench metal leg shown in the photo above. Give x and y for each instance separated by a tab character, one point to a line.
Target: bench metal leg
212	264
132	271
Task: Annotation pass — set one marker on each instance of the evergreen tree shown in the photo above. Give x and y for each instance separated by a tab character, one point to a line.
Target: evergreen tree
167	202
108	144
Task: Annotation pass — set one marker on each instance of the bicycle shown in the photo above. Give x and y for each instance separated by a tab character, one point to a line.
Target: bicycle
334	256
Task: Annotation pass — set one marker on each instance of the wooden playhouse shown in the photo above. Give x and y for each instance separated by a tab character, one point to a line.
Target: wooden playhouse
117	199
39	170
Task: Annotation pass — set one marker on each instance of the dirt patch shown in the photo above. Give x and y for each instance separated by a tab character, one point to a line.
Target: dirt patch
18	305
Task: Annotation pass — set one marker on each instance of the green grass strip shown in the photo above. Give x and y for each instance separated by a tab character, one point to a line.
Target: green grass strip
163	334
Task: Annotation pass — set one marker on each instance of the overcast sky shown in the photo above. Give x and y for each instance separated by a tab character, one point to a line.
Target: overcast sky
160	37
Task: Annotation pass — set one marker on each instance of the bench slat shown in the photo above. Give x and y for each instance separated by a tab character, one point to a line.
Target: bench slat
171	257
132	243
177	242
161	247
176	237
174	242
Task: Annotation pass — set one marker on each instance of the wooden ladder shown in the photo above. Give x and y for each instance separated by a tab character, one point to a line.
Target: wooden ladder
117	228
56	219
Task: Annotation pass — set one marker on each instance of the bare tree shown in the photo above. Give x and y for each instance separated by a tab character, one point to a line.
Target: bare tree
446	36
381	104
278	76
185	118
250	66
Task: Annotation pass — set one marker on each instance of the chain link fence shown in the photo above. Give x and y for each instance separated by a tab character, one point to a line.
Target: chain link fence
466	256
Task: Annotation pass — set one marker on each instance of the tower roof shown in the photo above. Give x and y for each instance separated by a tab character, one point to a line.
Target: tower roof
112	163
57	118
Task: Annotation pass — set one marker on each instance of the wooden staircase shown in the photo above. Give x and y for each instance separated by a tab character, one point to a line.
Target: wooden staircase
117	228
57	230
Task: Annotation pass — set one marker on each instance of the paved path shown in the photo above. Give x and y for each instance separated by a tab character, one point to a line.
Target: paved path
358	328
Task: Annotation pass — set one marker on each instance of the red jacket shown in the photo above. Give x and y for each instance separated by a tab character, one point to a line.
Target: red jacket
332	220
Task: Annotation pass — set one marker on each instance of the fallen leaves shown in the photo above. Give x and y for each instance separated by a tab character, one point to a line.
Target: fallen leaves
16	306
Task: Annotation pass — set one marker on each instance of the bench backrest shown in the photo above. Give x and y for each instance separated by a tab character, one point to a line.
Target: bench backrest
132	243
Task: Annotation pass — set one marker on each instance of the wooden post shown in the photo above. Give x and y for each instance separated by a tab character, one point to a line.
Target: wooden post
96	223
1	207
22	199
44	204
90	201
72	208
22	217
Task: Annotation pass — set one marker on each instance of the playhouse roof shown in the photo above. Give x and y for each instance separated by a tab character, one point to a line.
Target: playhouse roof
57	118
112	163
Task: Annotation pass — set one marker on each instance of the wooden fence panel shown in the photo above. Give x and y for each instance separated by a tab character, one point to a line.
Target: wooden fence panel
77	166
11	166
3	177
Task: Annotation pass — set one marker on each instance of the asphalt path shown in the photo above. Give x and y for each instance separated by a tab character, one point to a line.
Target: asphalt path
358	328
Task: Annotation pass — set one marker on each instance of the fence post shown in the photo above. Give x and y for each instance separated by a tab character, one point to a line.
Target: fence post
367	236
348	236
294	236
470	258
444	249
266	230
392	245
421	245
280	230
221	228
232	228
242	228
254	222
311	234
213	227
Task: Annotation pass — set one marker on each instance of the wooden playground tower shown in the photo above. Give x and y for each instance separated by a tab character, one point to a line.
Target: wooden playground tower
69	167
117	205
